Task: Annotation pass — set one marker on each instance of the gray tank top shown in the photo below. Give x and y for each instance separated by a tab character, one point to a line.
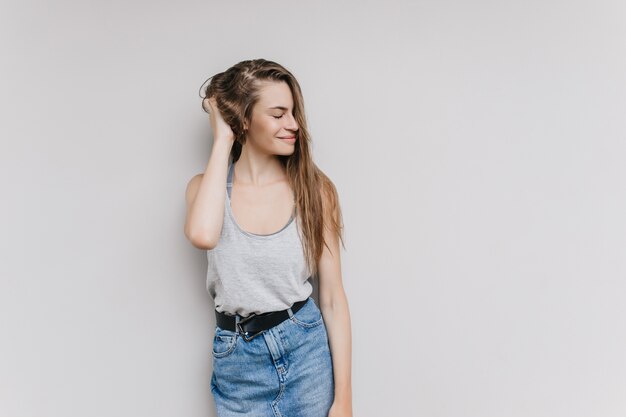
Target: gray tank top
256	273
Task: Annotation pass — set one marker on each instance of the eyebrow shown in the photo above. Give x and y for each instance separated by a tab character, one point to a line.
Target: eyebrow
279	107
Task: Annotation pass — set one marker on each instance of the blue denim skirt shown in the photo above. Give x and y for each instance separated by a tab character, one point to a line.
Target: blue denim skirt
284	371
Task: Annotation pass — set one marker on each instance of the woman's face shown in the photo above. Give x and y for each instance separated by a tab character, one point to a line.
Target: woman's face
273	129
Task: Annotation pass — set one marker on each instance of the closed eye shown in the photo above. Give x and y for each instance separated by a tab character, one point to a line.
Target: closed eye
278	117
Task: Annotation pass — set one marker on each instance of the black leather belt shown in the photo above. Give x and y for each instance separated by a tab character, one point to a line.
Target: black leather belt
251	326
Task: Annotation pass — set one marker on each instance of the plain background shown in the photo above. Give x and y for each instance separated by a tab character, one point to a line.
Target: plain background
478	149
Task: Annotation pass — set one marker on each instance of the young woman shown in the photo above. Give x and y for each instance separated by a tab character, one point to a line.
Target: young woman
271	223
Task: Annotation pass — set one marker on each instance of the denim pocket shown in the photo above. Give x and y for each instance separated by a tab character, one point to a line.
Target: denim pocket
308	316
224	342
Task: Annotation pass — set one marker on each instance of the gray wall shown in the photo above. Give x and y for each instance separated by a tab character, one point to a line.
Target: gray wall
478	149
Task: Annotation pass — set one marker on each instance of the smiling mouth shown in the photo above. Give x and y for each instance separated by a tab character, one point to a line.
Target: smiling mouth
290	141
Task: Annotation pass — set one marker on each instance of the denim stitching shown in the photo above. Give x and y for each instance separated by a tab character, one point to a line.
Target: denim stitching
277	399
307	325
231	348
294	318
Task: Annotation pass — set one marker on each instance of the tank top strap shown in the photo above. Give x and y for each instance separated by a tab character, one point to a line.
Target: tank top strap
229	180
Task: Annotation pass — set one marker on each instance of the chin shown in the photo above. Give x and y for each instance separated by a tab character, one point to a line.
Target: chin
285	152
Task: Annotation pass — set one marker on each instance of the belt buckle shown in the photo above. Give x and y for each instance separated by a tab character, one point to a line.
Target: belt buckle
243	333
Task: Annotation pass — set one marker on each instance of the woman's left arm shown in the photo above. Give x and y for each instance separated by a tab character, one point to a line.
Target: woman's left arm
336	314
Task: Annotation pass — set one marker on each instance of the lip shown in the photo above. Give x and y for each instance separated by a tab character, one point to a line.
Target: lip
290	139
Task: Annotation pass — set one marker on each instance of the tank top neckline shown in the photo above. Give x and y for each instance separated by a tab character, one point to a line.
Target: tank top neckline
229	185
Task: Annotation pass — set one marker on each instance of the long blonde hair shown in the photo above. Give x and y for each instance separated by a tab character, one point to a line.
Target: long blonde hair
236	91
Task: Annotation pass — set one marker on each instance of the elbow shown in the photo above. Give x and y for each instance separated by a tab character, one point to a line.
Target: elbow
203	244
200	240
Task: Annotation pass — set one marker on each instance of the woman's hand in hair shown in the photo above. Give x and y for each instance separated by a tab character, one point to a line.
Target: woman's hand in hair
221	129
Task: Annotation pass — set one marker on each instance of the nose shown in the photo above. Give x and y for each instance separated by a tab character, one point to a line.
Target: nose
292	124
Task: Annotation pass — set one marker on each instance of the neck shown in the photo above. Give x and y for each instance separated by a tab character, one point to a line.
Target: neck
258	169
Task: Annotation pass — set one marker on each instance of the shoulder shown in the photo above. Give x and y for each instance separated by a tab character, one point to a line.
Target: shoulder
330	198
332	215
327	188
192	187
